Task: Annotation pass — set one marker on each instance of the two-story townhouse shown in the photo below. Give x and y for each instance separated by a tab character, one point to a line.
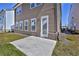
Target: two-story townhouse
38	19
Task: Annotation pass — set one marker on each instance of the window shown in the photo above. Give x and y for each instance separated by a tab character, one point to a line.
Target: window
18	10
38	4
26	25
33	24
34	5
21	25
16	26
72	17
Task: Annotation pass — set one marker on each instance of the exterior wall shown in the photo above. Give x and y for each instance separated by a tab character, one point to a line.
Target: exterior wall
74	16
43	10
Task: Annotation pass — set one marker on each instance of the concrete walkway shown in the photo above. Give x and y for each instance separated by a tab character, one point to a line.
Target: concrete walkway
35	46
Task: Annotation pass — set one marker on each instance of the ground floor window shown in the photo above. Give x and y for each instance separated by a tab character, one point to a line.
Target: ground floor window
26	25
33	24
16	25
21	25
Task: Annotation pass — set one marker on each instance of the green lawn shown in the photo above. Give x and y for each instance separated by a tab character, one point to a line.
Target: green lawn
61	49
6	49
71	49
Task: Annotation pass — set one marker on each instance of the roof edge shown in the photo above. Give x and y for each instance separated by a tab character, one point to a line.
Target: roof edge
18	4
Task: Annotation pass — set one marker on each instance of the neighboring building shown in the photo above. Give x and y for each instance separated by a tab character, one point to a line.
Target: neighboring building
64	29
2	21
39	19
74	17
7	19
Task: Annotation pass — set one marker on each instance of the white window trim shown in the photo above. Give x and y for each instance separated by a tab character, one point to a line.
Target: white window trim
35	5
47	25
22	25
35	24
25	25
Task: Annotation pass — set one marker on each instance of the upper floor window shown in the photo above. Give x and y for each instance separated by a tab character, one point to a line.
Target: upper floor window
18	10
38	4
34	5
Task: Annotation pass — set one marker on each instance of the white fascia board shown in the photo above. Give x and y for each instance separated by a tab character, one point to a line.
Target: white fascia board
17	5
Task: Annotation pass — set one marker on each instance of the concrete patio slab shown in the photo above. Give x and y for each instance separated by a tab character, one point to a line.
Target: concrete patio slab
35	46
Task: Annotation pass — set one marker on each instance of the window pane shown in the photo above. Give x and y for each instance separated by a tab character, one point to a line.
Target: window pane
18	10
33	28
21	25
26	24
16	26
33	24
38	4
45	28
25	27
32	5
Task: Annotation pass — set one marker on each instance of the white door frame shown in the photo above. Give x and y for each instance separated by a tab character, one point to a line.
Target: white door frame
42	35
